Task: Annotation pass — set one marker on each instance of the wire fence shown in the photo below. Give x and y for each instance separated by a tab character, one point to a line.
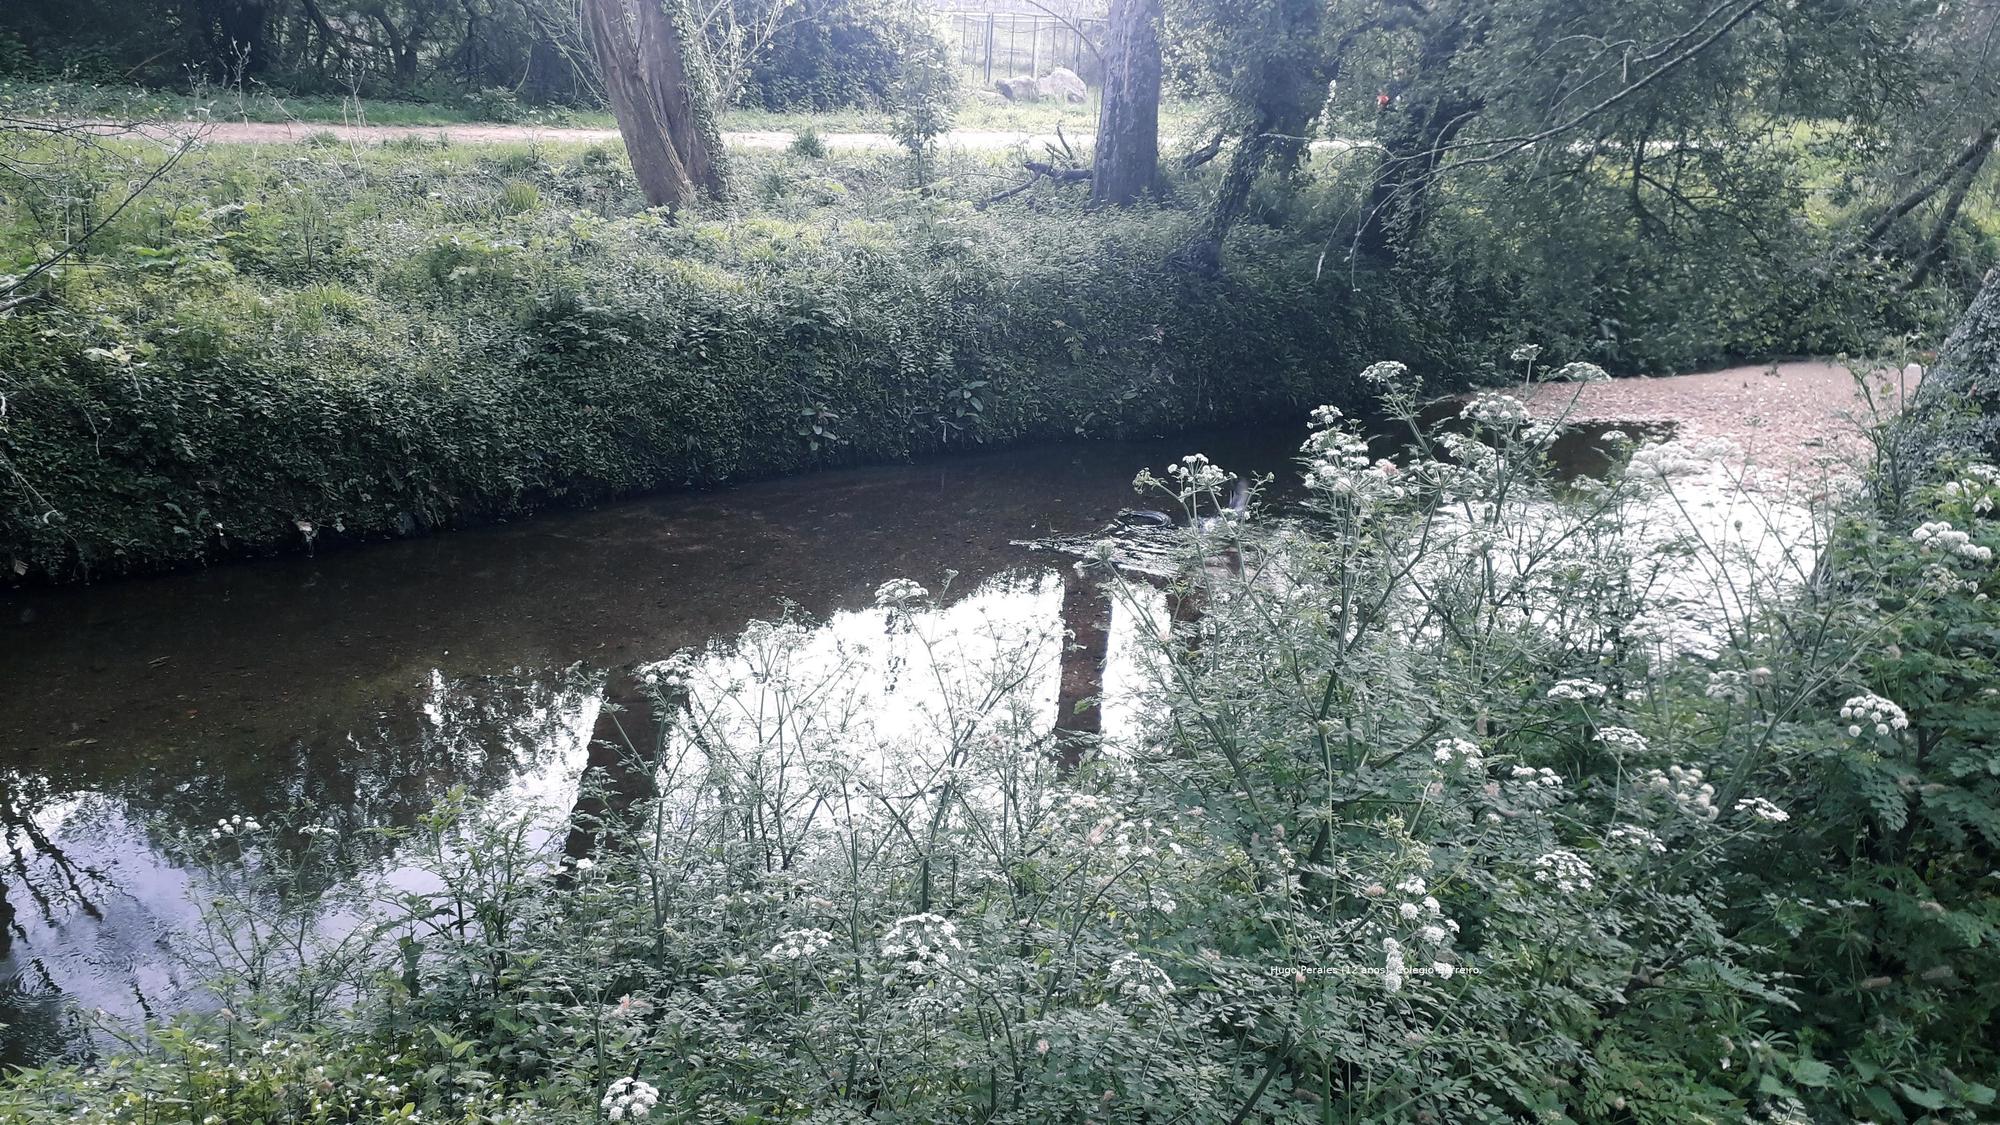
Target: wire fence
994	45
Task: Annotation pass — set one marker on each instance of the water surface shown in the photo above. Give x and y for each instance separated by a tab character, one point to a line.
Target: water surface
136	714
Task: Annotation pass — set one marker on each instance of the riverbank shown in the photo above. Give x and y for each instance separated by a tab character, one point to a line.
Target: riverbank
299	346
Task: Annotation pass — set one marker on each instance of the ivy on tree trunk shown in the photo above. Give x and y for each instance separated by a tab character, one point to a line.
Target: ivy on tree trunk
657	79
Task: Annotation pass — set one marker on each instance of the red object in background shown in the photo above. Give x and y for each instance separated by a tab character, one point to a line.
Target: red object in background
1382	100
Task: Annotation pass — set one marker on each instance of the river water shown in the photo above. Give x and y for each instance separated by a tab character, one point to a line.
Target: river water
136	714
366	684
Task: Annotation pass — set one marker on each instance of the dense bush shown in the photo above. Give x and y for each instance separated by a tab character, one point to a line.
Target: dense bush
1464	797
831	54
301	345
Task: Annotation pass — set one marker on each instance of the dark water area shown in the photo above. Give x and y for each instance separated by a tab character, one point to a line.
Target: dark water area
136	714
362	687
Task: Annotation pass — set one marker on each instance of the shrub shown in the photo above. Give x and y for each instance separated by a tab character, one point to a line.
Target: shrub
808	143
839	53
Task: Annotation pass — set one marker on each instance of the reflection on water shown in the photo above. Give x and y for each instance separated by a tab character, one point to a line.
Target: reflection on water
355	691
365	685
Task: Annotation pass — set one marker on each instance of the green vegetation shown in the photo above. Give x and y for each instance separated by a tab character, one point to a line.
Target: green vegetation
279	346
1467	798
1460	794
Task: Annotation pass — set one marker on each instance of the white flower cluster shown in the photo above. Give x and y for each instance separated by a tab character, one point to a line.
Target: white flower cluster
1525	353
1940	577
1622	738
1531	788
1565	871
1941	536
1110	828
1392	965
1685	786
899	592
1577	691
1499	411
1580	372
1633	836
1140	979
1763	810
1385	374
1533	778
1868	710
1338	462
1979	487
1475	458
922	941
1461	751
234	826
1195	474
798	945
629	1098
1436	928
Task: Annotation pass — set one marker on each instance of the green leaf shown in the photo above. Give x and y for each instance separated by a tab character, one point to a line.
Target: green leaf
1811	1072
1885	1104
1929	1099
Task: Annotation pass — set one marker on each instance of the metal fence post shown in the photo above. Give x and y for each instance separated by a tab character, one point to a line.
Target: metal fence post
989	48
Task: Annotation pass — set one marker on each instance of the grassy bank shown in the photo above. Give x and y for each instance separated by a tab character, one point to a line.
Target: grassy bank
279	346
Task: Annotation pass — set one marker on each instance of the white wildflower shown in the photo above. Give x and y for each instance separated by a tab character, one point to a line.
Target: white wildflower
1870	711
1462	751
1763	810
1941	536
921	942
1392	966
1140	979
1580	373
1385	374
899	592
629	1097
1564	870
1496	410
1729	685
798	945
1576	691
1633	836
1622	738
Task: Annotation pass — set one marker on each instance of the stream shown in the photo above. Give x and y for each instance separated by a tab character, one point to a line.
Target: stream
372	681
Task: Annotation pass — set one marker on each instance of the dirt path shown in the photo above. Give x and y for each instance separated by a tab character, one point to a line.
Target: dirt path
260	132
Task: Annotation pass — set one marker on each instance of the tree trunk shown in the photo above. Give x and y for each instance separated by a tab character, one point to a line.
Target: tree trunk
1400	201
1975	149
1956	412
1126	164
1933	251
657	82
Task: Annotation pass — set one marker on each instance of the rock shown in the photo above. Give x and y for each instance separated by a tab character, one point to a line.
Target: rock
1021	89
1063	83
